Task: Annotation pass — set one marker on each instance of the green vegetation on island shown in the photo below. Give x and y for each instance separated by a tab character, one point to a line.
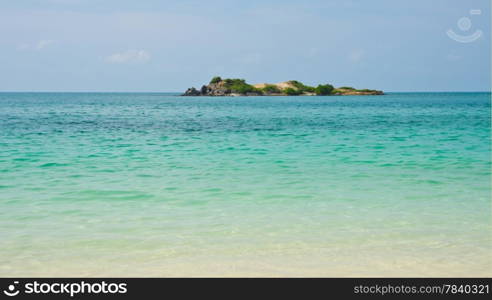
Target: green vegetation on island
239	87
271	88
300	87
324	89
216	79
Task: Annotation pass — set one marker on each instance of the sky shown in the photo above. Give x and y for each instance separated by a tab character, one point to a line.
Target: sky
168	46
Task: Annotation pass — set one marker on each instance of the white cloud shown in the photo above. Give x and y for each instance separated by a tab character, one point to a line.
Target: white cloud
43	44
129	56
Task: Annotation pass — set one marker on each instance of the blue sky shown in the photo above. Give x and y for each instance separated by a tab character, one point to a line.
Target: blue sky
119	45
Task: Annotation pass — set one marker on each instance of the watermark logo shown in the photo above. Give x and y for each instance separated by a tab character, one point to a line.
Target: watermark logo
11	290
70	288
465	24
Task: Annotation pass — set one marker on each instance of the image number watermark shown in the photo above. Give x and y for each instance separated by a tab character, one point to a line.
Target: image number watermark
464	25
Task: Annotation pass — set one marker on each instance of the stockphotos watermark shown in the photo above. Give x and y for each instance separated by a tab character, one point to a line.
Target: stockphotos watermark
464	25
67	288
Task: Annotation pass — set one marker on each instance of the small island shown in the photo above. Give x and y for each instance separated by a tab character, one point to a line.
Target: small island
239	87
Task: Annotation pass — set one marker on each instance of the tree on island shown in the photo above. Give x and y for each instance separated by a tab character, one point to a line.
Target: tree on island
216	79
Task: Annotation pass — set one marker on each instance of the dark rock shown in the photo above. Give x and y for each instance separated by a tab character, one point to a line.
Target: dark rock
192	92
204	90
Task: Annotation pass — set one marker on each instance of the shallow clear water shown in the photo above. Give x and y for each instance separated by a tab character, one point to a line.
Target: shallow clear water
160	185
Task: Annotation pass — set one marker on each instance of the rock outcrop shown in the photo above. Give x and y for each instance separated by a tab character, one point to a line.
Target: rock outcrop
349	92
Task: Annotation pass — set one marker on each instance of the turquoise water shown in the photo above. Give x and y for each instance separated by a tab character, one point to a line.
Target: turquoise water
160	185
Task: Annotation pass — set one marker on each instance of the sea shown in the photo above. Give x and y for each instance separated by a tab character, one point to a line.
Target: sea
155	184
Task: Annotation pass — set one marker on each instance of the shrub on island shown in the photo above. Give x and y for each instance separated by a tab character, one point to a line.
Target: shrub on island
324	89
301	87
240	86
292	92
270	88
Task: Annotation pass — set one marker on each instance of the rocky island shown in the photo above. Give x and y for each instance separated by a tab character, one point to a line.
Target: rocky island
239	87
